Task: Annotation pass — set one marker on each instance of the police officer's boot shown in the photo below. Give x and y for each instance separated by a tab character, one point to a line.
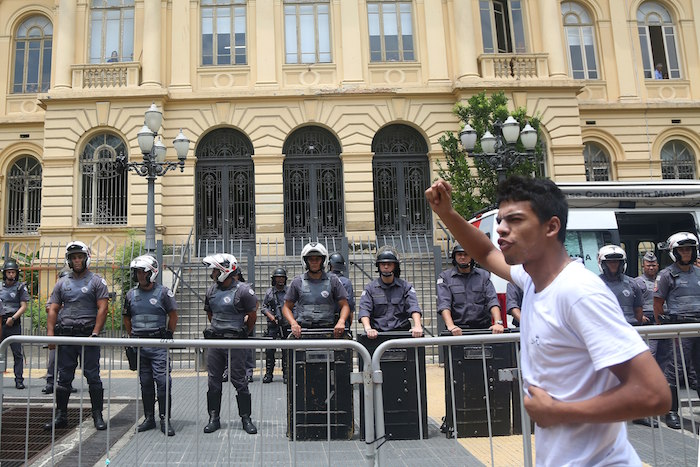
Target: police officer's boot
672	418
213	407
165	415
269	365
244	407
149	422
96	400
61	420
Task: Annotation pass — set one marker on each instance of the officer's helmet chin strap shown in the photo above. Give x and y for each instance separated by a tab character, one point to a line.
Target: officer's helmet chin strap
387	274
464	265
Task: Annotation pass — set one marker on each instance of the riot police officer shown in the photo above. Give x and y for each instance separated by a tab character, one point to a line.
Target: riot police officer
14	296
466	296
336	265
514	302
647	281
227	303
678	287
387	302
316	294
612	262
150	311
276	325
84	297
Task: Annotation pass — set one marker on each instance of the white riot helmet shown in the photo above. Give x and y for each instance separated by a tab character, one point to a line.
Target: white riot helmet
682	239
77	247
612	253
224	262
314	249
146	263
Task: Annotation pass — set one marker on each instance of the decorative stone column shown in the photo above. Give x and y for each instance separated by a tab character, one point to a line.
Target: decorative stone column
465	47
152	26
552	39
65	44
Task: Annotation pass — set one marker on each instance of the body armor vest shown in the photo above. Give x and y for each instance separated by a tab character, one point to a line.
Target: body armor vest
79	302
226	312
148	315
10	298
624	292
684	297
316	305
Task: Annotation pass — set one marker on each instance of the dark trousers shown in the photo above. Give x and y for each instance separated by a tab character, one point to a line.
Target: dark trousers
68	361
217	361
154	368
275	332
690	360
15	330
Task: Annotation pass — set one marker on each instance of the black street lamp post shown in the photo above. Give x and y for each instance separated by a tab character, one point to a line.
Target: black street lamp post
499	149
154	164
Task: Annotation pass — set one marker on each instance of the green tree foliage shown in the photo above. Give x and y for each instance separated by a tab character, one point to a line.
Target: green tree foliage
473	181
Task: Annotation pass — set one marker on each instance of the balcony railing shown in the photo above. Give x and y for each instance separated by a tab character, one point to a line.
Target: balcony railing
514	66
106	75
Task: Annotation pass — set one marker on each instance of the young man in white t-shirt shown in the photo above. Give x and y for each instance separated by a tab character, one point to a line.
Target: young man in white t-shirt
585	370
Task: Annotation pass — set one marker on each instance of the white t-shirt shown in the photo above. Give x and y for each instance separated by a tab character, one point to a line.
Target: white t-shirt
570	333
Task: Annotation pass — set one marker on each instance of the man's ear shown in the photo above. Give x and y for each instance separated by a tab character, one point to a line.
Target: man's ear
553	226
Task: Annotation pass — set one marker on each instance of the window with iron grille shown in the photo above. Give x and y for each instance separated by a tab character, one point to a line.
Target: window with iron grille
24	196
103	199
307	35
224	40
597	163
580	41
677	161
32	64
502	26
111	31
390	31
657	37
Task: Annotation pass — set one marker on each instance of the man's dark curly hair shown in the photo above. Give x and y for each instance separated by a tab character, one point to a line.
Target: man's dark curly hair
545	197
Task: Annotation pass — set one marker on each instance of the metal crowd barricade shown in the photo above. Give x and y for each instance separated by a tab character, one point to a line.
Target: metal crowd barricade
363	378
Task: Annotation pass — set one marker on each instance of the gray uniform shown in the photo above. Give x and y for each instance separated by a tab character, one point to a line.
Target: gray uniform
681	292
315	300
79	297
647	285
389	306
272	303
351	295
628	293
148	310
11	298
228	308
469	297
514	299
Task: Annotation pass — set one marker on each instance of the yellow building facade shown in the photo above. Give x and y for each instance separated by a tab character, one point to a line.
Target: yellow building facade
321	118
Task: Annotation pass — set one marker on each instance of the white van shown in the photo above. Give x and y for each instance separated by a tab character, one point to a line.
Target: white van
637	216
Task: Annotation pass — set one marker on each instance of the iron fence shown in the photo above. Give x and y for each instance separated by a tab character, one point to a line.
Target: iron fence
121	445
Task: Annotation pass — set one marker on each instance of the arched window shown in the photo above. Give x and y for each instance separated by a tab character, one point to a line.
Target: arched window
103	198
32	65
400	175
657	37
24	196
677	161
224	38
580	41
225	189
112	31
597	163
